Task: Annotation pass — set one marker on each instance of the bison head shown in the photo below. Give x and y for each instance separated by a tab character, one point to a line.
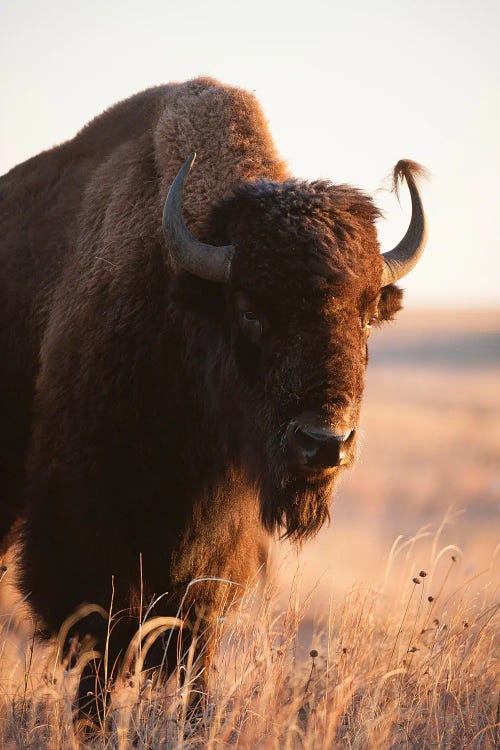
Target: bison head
305	281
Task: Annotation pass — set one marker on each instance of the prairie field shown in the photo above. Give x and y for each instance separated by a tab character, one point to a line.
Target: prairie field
380	633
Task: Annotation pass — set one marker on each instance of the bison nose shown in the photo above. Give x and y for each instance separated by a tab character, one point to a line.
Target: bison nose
314	447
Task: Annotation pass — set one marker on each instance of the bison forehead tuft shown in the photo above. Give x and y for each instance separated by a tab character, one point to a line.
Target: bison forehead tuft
302	233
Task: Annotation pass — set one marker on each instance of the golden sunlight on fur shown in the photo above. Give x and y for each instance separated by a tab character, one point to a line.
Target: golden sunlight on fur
382	634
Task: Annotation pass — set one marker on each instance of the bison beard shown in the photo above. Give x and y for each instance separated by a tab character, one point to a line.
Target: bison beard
298	507
292	505
152	379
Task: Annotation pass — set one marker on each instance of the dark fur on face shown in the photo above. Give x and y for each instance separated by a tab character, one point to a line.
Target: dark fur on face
308	267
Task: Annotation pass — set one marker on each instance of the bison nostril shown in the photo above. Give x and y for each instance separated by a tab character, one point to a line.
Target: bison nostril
326	436
317	447
307	443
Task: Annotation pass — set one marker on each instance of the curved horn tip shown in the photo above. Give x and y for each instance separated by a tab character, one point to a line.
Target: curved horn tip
400	260
205	261
410	171
187	165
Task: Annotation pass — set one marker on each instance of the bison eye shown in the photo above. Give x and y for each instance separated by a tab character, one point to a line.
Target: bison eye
368	323
251	325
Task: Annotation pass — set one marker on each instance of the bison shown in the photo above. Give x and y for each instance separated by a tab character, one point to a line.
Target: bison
178	393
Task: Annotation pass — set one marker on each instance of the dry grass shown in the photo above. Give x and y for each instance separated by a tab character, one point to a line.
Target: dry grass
393	669
411	664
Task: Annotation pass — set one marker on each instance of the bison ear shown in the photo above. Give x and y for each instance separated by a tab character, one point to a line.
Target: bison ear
391	301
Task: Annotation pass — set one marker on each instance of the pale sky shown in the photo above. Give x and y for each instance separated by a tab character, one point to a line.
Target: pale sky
348	88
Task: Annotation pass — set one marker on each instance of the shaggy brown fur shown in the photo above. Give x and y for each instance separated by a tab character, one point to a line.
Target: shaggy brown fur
138	416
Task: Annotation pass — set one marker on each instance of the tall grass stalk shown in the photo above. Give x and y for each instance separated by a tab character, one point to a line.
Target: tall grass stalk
348	693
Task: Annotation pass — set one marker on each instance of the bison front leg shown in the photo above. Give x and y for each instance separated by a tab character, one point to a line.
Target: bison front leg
154	650
187	651
100	646
89	641
91	701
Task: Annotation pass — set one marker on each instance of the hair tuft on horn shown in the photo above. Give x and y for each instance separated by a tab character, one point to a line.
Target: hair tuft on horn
408	170
400	260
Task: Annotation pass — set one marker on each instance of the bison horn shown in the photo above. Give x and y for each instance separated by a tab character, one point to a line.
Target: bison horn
206	261
400	261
